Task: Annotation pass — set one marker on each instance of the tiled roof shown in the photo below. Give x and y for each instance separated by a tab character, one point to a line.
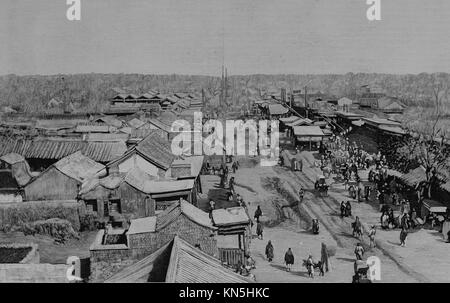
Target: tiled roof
156	150
135	123
189	264
183	263
183	207
78	166
57	148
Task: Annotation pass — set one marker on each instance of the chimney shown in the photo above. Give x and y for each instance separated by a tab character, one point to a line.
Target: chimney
181	170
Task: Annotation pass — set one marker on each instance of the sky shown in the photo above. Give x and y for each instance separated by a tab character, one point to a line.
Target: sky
248	36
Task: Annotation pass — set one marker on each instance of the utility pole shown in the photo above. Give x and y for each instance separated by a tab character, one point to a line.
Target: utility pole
306	103
226	87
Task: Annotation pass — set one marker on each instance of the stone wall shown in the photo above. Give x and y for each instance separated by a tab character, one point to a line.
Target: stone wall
107	260
146	243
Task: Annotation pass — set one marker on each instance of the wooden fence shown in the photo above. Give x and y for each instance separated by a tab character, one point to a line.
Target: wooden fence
232	256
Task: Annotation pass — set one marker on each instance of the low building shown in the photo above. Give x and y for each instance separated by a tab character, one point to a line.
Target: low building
152	155
147	235
234	234
62	180
181	219
14	173
308	135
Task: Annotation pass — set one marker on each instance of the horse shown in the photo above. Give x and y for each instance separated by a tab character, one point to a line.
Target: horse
357	231
315	266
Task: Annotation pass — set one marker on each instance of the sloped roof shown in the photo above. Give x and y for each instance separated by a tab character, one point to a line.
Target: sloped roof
156	150
110	120
78	166
300	122
109	137
277	109
290	119
92	128
230	216
189	264
109	182
55	124
139	180
142	225
390	103
185	264
157	123
12	158
183	207
135	123
196	163
308	131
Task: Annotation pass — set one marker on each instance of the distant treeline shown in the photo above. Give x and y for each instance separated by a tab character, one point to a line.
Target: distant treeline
91	92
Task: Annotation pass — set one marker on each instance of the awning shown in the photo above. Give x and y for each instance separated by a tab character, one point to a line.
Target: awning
358	123
434	206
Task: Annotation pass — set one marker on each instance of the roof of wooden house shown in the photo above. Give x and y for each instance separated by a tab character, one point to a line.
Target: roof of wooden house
177	262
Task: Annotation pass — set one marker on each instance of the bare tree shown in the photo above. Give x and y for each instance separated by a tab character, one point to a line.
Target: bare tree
426	141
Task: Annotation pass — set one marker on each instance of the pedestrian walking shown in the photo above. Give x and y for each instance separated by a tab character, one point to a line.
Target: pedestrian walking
301	193
269	251
359	251
310	266
372	233
348	209
259	230
258	213
343	209
289	259
403	236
